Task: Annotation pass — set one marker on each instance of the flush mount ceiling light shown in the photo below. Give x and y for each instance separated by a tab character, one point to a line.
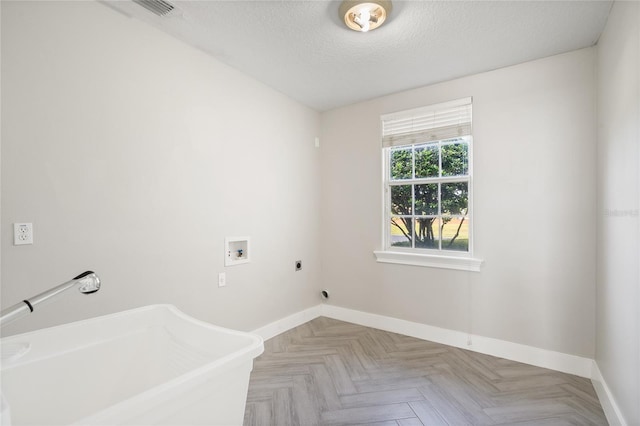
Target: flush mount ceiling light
364	16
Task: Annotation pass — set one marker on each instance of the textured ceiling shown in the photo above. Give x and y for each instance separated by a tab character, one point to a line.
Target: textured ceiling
301	48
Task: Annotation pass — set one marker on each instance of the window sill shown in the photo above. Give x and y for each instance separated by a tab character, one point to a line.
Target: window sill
429	260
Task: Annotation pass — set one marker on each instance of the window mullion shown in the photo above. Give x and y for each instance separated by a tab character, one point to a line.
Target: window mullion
440	215
413	216
440	159
413	197
447	179
413	162
440	221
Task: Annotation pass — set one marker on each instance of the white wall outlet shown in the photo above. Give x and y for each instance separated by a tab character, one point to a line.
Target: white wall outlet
22	234
222	279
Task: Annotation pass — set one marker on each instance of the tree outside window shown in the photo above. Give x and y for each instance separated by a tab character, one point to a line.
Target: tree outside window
428	195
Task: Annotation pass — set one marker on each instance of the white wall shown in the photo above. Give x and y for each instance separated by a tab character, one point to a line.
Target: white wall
618	278
535	207
135	155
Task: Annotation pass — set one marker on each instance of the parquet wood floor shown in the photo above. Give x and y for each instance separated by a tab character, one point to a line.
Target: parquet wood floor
329	372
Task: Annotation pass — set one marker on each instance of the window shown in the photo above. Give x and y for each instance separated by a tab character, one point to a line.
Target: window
428	191
427	181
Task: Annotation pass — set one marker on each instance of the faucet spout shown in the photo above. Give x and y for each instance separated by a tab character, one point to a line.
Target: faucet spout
87	283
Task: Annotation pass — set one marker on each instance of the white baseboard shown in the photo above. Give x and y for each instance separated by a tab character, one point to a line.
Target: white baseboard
287	323
558	361
611	409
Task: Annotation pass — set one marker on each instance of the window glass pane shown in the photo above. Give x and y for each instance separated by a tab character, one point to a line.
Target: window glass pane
426	199
455	198
427	232
455	159
427	164
401	232
401	200
401	164
455	233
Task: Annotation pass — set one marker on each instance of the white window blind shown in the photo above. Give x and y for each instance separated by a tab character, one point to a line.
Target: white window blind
436	122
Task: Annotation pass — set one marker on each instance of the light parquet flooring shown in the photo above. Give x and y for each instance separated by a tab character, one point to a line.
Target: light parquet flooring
329	372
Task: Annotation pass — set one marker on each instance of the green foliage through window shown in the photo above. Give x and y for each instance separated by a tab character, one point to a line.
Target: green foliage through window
429	195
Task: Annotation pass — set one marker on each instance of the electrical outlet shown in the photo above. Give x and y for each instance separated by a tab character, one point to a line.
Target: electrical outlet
222	279
298	265
22	234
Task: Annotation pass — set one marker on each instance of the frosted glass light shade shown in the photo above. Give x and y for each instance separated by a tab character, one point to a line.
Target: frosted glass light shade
364	16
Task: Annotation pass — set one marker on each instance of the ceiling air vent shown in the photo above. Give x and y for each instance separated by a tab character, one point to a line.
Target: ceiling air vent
158	7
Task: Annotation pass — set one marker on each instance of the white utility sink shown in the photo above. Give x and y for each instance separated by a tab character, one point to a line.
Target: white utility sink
152	365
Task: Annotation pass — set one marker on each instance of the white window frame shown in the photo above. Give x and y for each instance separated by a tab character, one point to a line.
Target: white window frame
449	259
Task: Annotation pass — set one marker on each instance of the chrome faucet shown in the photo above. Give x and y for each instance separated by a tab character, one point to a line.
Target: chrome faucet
87	283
